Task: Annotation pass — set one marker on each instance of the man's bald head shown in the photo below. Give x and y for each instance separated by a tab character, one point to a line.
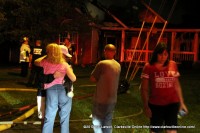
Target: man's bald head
110	47
109	51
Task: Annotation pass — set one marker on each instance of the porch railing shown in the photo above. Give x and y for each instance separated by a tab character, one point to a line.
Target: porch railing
145	55
139	55
183	56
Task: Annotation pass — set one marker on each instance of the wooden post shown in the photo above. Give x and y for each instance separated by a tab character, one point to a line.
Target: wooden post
147	48
173	37
196	47
122	46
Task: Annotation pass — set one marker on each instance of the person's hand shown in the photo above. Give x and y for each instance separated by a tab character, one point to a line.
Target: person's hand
76	62
183	107
147	112
30	65
58	74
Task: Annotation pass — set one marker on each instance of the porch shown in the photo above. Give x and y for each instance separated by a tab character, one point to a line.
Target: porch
144	56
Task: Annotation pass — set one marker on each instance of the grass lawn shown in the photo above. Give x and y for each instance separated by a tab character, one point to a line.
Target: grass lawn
128	115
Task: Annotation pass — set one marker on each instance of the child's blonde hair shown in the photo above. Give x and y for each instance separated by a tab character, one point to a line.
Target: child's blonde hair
54	53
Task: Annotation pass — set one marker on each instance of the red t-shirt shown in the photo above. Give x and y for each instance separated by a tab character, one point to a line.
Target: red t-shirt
162	83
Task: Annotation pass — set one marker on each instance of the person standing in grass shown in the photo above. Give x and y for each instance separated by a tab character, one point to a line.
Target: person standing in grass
25	56
56	98
67	82
72	51
161	91
106	76
36	52
48	78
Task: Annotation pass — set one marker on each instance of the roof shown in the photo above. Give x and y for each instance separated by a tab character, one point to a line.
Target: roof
131	13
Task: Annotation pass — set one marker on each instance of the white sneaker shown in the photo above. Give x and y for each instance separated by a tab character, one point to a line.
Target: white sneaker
70	94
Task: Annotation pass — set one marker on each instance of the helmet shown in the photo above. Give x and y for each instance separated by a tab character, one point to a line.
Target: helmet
25	39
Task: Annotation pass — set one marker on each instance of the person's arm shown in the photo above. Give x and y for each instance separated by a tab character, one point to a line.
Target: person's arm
76	59
145	96
37	61
180	95
92	78
178	87
22	48
30	60
70	73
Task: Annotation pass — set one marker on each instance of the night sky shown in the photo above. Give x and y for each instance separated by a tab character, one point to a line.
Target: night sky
184	13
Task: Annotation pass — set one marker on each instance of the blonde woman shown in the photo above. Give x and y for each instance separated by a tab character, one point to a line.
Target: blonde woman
56	98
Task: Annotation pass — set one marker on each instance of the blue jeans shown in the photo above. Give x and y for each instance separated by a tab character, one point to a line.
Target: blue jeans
56	99
102	117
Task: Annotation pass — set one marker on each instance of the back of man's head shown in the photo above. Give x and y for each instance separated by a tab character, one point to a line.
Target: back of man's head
38	43
109	51
110	47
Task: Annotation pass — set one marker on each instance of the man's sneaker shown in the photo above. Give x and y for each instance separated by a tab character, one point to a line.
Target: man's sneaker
90	116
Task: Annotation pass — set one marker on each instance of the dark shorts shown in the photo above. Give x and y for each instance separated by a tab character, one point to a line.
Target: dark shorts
163	116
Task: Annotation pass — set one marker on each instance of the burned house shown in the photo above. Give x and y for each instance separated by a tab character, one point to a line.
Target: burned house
136	38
